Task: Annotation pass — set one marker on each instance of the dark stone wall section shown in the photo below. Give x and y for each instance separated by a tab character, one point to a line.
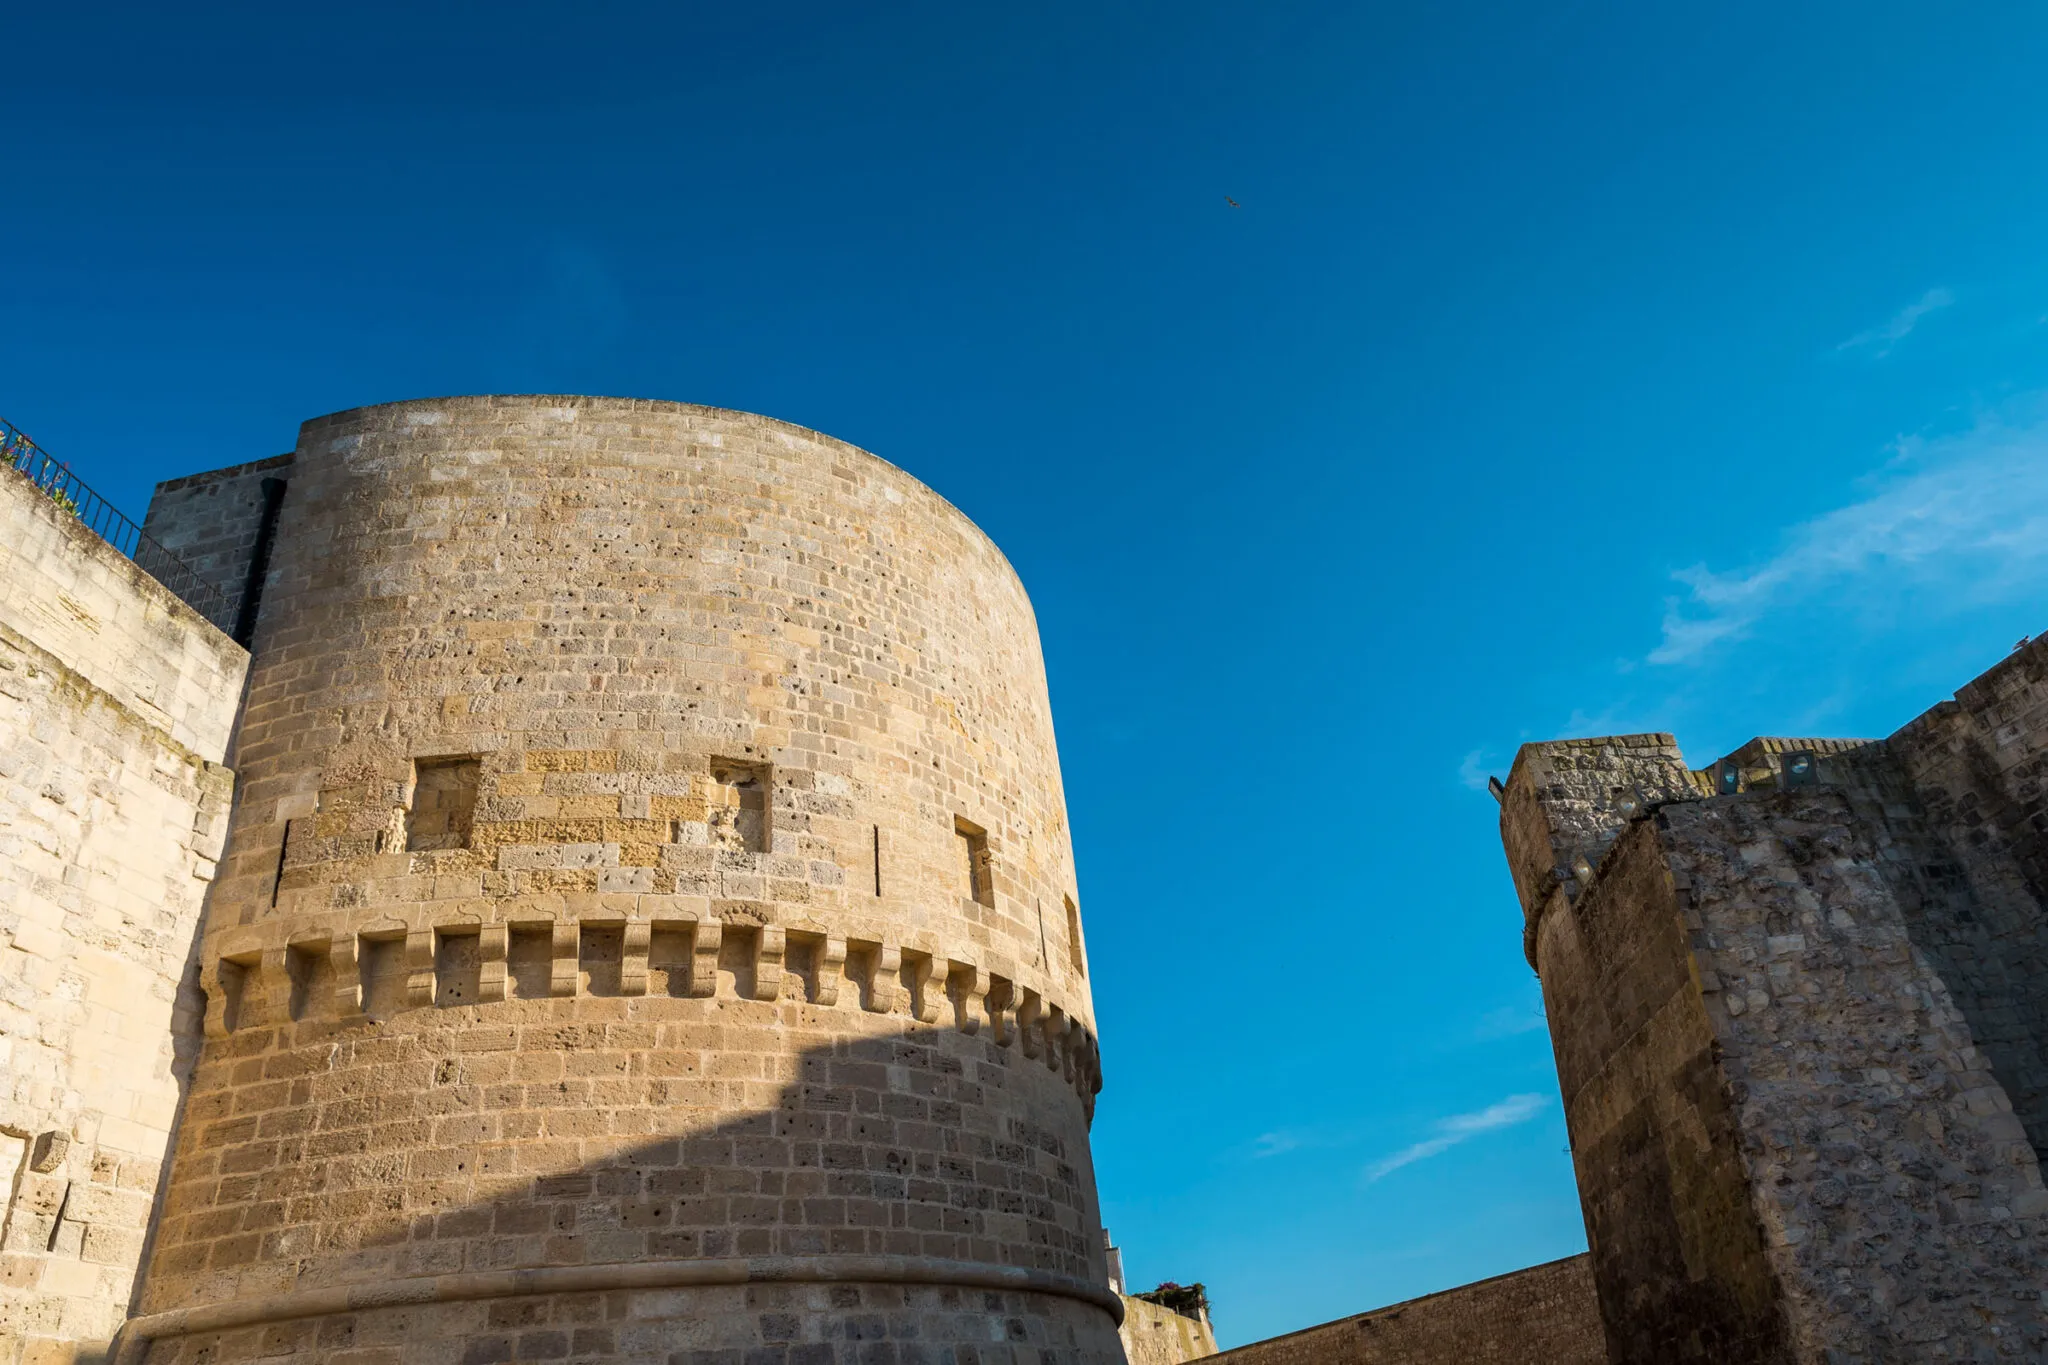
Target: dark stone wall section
1543	1314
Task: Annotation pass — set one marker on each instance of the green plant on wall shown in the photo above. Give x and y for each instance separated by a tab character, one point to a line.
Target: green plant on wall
1188	1300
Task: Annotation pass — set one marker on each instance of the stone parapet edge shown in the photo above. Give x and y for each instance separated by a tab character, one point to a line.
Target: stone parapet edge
137	1335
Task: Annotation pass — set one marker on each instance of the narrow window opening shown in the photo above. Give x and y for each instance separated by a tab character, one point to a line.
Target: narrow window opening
739	816
443	804
979	883
1077	951
878	860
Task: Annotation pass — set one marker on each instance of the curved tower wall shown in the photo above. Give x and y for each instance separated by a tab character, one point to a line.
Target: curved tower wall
647	923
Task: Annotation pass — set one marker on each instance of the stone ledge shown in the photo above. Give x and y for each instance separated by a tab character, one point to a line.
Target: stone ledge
136	1338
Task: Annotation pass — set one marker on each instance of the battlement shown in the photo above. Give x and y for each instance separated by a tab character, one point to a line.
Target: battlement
268	978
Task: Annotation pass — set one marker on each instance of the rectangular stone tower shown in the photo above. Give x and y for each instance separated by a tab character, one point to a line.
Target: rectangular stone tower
1800	1008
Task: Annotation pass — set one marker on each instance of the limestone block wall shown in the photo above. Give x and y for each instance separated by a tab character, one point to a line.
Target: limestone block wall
115	702
1546	1314
89	605
1153	1335
212	522
650	886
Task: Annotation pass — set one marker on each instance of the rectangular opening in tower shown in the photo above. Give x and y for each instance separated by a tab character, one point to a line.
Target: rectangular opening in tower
739	814
978	881
443	805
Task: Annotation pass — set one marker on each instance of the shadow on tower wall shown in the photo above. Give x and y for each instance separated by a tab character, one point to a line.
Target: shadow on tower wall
646	1179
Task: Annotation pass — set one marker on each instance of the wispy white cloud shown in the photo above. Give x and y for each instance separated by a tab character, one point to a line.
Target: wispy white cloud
1880	340
1275	1143
1965	513
1461	1128
1472	770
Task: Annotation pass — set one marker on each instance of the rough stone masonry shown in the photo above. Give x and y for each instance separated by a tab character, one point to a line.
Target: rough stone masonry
1799	1002
647	928
640	925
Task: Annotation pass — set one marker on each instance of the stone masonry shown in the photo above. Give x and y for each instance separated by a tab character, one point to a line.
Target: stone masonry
641	926
1799	1002
115	704
647	929
1154	1335
1545	1315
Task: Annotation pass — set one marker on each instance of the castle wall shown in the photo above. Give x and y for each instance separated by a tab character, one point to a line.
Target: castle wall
1977	768
650	877
1546	1313
1797	1027
1676	1249
115	703
1902	1207
1154	1335
213	523
87	604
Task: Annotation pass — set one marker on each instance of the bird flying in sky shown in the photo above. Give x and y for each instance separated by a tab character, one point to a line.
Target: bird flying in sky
1232	202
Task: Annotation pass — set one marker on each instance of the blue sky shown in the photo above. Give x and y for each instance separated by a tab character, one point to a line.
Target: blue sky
1566	369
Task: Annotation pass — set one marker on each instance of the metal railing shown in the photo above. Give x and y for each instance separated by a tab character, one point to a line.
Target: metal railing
72	494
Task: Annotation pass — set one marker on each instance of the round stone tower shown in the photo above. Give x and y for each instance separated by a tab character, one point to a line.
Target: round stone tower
648	926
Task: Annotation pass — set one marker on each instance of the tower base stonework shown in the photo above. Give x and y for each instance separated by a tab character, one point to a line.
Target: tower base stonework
1799	1006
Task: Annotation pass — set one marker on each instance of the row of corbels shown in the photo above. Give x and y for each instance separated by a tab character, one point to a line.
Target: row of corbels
269	985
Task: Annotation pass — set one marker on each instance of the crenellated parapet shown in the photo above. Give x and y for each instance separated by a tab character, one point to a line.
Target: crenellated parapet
368	968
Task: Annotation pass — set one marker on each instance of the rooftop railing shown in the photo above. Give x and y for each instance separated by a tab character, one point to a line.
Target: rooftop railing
72	494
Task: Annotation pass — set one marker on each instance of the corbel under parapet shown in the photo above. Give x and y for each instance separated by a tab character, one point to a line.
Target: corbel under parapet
1030	1018
1001	997
924	1001
886	980
419	969
633	943
490	969
967	988
705	936
831	969
564	942
771	947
